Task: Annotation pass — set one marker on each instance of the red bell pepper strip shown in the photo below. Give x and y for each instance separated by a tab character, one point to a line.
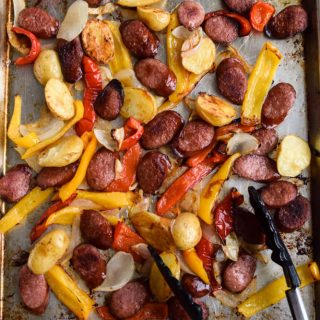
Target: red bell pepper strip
130	163
223	213
152	311
133	130
40	226
35	47
200	156
260	14
233	128
185	182
93	82
104	313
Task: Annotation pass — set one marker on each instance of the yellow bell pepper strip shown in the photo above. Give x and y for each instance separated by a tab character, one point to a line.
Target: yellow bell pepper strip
121	58
70	187
68	292
259	84
109	200
43	144
14	128
274	292
195	264
211	192
24	207
63	216
136	3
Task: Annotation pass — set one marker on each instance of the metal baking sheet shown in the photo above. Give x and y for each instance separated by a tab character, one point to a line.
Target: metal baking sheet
300	67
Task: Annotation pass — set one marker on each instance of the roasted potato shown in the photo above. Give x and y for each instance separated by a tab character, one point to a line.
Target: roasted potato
48	251
59	99
136	3
138	103
293	156
156	19
97	41
65	151
47	66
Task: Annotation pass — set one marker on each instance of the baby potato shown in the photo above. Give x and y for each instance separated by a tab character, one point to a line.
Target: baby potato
156	19
59	99
293	156
65	151
47	66
48	251
186	231
139	104
158	284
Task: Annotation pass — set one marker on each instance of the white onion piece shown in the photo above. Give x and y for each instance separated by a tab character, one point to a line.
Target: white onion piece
159	5
128	78
231	249
118	135
74	21
183	265
106	75
243	143
181	33
210	233
104	137
142	250
32	161
118	169
192	43
120	270
104	9
18	6
86	204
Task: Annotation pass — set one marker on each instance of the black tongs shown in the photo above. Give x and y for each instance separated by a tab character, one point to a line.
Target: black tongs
192	308
280	255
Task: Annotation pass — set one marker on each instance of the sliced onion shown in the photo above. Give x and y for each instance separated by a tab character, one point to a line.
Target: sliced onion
128	78
118	135
183	265
104	137
86	204
141	204
232	247
142	250
104	9
191	44
181	33
243	143
106	75
74	21
118	169
190	202
120	270
32	161
210	233
18	6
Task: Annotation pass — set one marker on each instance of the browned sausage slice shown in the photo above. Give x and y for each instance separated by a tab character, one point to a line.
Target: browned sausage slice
101	169
88	262
194	137
139	40
279	193
156	75
39	22
231	80
294	215
16	183
256	168
56	176
152	170
161	129
195	286
240	6
110	100
34	290
277	105
96	230
287	23
268	140
238	275
191	14
221	29
127	301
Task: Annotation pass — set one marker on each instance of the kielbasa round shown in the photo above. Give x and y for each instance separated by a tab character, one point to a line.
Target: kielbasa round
191	14
195	286
240	6
268	140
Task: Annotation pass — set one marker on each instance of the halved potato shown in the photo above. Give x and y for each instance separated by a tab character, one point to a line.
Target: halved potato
156	19
97	41
138	103
59	99
293	156
136	3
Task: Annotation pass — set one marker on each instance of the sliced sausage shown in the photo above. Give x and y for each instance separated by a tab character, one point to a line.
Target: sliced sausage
277	105
238	274
127	301
231	80
279	193
152	170
247	226
39	22
87	261
194	137
221	29
191	14
161	129
287	23
139	39
294	215
34	290
101	169
156	76
96	230
240	6
110	100
15	184
195	286
256	168
177	312
56	176
268	140
70	56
